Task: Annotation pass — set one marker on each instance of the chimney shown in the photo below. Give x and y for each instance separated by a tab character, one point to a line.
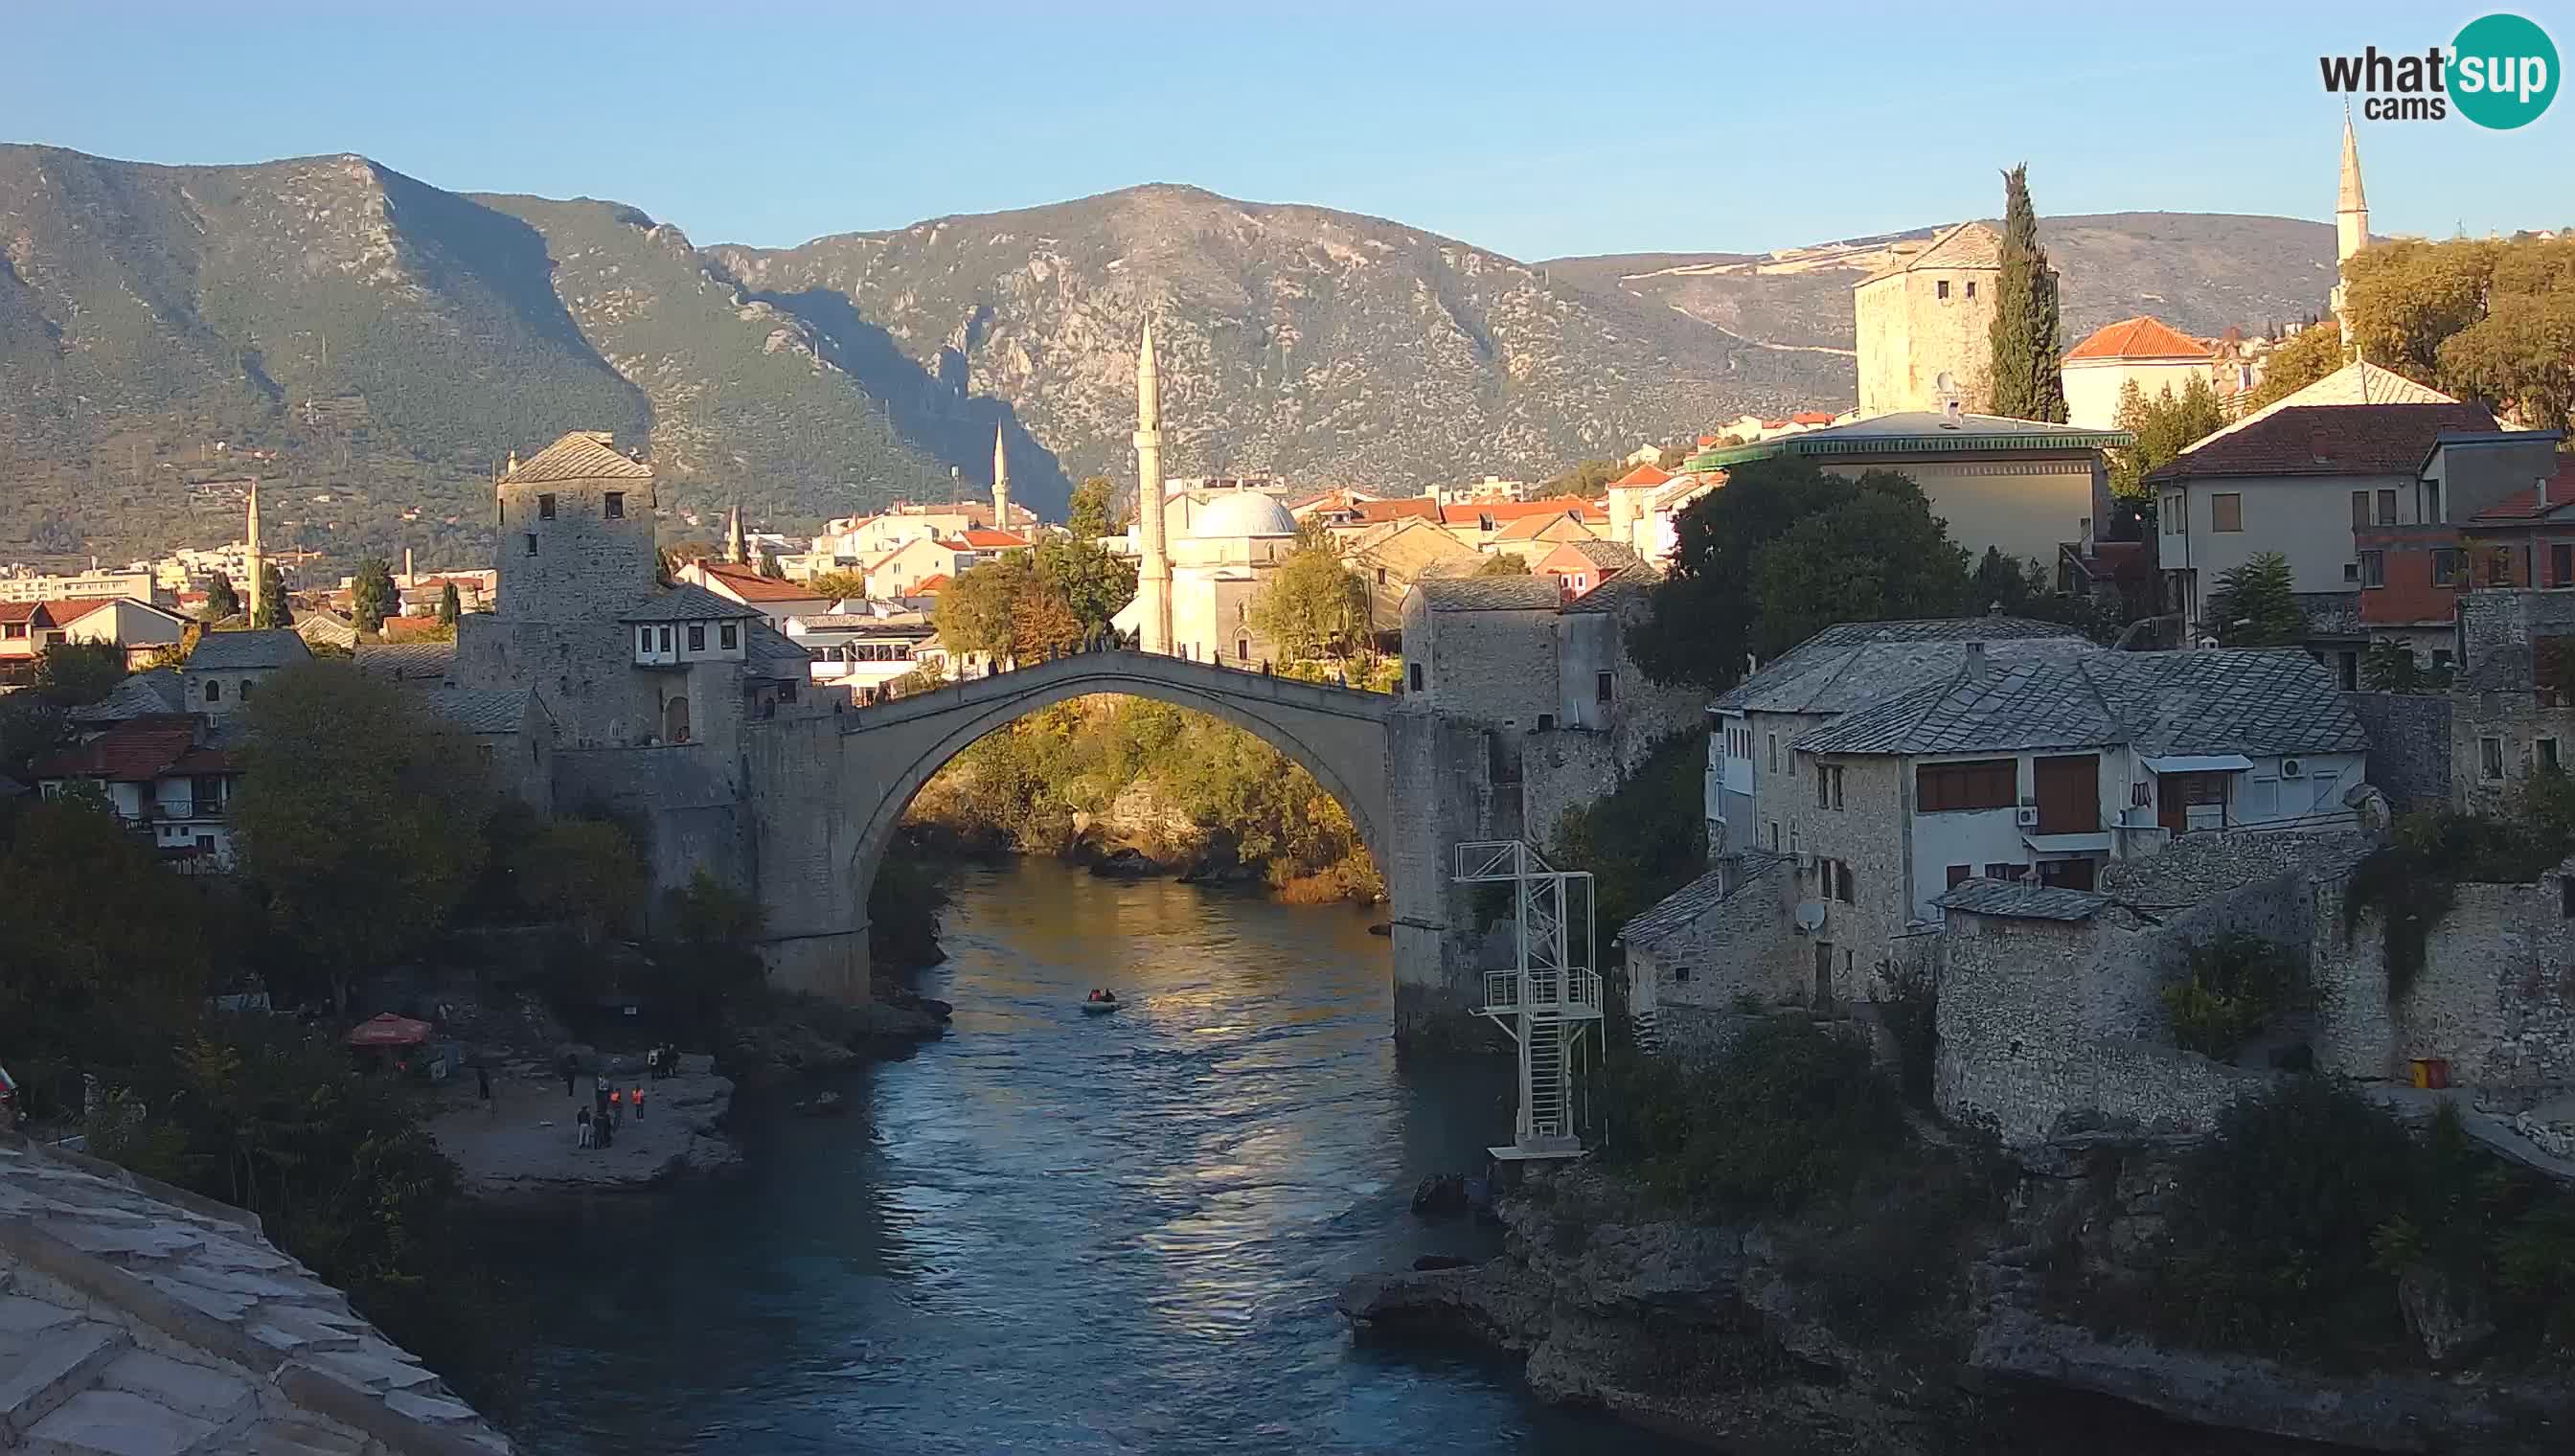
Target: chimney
2539	493
1975	662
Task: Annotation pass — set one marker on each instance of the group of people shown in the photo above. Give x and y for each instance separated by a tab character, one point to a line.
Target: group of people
596	1125
1100	995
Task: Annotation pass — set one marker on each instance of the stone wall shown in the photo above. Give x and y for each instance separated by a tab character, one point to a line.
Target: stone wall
2523	735
2495	997
2409	746
1742	947
1870	833
584	566
1439	794
678	799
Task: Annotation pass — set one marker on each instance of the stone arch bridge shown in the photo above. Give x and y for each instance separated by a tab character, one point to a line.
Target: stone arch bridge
827	794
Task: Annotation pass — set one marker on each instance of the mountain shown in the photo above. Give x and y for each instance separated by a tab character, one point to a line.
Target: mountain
2200	272
379	346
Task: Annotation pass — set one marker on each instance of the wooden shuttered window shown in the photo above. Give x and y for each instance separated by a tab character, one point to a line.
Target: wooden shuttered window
1977	784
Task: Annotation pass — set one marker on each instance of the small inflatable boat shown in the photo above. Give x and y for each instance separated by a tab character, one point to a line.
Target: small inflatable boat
1102	1008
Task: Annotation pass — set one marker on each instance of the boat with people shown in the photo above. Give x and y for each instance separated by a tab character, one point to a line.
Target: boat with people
1100	1004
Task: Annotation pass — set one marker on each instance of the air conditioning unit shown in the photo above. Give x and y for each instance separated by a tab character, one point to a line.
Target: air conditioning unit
2026	816
2293	769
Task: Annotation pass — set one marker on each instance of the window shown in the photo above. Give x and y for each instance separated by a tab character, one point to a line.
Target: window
1381	576
2175	517
2002	872
642	638
2490	757
697	637
214	691
2561	564
1980	784
613	505
2431	501
545	508
244	693
665	637
1960	874
1774	753
2352	570
2387	508
1604	687
2445	566
1774	836
787	689
2374	569
1845	888
2546	749
1546	723
2226	512
2359	510
2441	660
1823	796
1944	287
1971	288
729	636
532	542
1414	671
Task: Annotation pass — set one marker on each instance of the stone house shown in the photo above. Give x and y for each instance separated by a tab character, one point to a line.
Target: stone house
1576	566
1927	314
228	667
1393	556
2496	512
2512	705
166	778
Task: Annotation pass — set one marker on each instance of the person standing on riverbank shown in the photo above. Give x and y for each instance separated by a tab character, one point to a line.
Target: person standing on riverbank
581	1129
571	1070
638	1104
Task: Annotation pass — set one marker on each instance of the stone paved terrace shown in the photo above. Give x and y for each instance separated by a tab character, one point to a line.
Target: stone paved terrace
138	1320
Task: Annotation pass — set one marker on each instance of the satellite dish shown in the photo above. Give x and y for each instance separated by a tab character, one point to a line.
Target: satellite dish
1810	916
1946	383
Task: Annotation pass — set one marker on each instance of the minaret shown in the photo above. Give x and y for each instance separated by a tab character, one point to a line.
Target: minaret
2351	227
253	564
734	549
1000	483
1154	575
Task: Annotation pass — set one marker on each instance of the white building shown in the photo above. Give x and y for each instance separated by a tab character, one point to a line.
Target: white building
2142	351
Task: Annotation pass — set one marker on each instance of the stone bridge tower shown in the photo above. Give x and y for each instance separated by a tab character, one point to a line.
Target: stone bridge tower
574	534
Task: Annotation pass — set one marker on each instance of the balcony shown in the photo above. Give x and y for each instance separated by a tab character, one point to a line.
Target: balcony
1572	994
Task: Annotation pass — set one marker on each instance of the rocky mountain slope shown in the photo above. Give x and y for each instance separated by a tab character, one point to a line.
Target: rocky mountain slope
379	344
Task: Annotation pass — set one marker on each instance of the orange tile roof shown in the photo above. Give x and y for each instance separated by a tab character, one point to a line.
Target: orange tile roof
1411	506
1812	417
2142	337
137	751
929	585
1502	511
749	586
1647	473
984	539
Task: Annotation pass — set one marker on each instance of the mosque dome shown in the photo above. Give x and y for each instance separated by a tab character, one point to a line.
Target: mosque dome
1242	512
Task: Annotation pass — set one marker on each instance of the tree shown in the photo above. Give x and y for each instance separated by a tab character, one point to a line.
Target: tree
1702	624
1879	555
2404	297
1042	628
2028	338
2021	589
1504	564
2478	317
371	594
1588	479
359	820
2310	355
273	611
2256	606
1093	512
2389	666
450	606
837	586
1088	580
221	600
79	672
974	611
585	872
1312	604
2165	426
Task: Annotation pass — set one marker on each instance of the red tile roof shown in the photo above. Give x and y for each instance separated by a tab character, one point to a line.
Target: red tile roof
51	613
1647	473
2325	440
2142	337
2525	505
982	539
1812	417
138	750
1502	510
748	585
929	585
1420	508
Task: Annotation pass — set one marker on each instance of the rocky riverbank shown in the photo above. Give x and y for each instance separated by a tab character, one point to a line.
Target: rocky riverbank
1761	1339
524	1143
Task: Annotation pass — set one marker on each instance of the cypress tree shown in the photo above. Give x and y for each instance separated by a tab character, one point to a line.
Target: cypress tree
273	611
2027	336
448	605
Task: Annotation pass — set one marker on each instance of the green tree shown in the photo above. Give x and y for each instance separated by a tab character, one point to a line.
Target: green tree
2405	298
450	606
2026	336
2257	605
1504	564
584	872
273	611
837	586
2165	426
360	819
1093	512
221	600
1091	582
975	610
1589	479
1312	604
2389	666
1878	555
1702	630
78	673
2522	352
2308	356
371	595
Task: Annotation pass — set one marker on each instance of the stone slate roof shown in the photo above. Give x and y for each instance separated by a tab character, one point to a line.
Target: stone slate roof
1684	906
2199	867
2323	440
1491	594
1612	553
144	694
1857	663
1962	245
2023	902
774	654
584	455
1628	586
406	661
228	651
2211	701
688	601
478	709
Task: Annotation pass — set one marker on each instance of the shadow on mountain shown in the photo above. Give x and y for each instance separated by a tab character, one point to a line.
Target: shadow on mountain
933	413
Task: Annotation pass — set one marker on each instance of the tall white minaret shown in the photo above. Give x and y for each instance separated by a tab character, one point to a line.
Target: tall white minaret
1000	483
735	552
2351	228
1154	574
254	565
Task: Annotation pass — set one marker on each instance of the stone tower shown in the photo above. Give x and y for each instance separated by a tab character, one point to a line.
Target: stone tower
1000	483
1929	311
254	565
574	541
2351	228
1153	569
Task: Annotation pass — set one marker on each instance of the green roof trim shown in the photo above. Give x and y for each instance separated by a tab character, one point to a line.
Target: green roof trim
1834	443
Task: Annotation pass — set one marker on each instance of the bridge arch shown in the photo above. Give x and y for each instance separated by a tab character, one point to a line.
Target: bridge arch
1337	734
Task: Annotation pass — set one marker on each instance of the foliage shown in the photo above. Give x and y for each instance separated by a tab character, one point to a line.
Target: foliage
2165	426
2308	355
450	606
221	600
1642	840
2237	984
1790	1114
1087	581
1042	626
2481	318
1312	606
1877	554
2021	589
975	610
2413	882
80	673
2256	606
2026	338
837	586
273	609
372	597
905	909
358	819
711	962
927	674
1093	512
1590	479
2390	666
584	872
1503	564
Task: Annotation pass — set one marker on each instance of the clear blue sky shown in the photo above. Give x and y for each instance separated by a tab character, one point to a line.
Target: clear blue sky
1534	131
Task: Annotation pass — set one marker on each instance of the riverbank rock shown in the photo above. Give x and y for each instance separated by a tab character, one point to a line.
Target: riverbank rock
1128	862
525	1143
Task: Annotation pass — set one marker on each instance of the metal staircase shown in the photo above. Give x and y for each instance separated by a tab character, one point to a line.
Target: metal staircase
1549	1000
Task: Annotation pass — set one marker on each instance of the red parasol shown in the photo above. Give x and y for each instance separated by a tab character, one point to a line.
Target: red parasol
390	1030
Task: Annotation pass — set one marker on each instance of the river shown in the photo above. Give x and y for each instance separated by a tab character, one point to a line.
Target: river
1052	1231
